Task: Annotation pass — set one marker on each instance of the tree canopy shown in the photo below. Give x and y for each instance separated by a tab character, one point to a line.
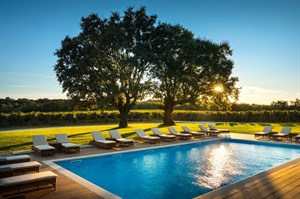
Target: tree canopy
107	62
119	60
187	69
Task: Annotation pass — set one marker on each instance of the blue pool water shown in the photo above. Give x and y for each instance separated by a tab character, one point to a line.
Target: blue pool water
184	171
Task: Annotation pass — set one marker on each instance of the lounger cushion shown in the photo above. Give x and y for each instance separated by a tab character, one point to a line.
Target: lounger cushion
69	145
44	147
26	179
150	137
22	165
105	141
124	140
14	159
18	158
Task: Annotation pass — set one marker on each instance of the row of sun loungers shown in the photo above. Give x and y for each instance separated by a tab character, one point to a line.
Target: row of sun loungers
284	134
14	181
42	147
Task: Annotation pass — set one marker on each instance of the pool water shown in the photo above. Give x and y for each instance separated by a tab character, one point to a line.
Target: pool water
184	171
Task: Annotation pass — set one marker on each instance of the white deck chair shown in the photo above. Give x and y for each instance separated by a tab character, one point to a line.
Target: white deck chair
209	132
194	133
163	136
142	136
264	133
100	141
284	133
66	144
119	139
41	146
183	136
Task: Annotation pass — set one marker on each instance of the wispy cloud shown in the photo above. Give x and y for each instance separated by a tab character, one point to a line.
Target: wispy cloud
259	95
28	75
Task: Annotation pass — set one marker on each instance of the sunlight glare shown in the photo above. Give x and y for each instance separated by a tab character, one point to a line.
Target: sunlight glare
221	165
218	88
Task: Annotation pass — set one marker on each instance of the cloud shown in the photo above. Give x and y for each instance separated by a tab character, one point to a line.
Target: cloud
259	95
28	75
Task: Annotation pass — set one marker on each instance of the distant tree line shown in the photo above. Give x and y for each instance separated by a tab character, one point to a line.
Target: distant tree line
9	105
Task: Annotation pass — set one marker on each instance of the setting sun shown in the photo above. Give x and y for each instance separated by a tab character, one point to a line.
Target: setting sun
218	88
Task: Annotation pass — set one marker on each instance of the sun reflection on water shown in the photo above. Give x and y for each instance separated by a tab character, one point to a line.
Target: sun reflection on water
219	168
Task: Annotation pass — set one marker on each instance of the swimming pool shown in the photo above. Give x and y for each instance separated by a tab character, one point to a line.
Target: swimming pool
180	171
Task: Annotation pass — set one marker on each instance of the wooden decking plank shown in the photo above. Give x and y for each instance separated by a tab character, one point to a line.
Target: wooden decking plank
281	182
269	186
274	175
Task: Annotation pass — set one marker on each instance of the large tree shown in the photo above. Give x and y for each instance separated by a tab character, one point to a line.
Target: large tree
188	69
107	62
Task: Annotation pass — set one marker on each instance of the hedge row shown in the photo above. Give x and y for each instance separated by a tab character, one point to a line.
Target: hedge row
64	118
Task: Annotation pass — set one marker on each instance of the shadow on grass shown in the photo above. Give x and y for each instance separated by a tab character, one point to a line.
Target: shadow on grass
13	147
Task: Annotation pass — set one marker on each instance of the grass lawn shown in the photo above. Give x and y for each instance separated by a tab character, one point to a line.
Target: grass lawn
20	139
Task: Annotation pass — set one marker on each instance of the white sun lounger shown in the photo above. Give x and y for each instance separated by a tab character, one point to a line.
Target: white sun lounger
119	139
41	146
284	133
66	145
163	137
209	132
264	133
194	133
182	136
100	141
225	131
142	136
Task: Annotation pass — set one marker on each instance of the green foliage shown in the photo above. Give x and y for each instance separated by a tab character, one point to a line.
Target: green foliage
107	62
102	117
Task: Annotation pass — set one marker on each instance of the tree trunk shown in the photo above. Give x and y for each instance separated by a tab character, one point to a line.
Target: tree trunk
168	110
124	109
123	119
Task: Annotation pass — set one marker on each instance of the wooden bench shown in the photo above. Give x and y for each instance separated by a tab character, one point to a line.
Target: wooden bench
22	167
14	159
16	185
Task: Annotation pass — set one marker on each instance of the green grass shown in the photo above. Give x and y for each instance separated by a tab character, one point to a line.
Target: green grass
20	139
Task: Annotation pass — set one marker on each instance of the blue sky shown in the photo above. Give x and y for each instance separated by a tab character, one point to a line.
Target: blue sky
264	36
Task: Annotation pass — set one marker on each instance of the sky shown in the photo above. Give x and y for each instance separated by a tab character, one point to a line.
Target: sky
263	34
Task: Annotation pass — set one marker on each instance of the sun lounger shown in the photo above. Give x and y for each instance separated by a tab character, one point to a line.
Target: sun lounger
163	137
266	132
100	141
114	134
182	136
225	131
142	136
283	134
194	133
13	186
209	132
22	167
41	146
66	145
14	159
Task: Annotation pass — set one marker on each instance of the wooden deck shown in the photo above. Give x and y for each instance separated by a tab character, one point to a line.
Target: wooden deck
280	182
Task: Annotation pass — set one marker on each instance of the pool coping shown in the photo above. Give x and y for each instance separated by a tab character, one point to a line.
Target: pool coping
106	194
